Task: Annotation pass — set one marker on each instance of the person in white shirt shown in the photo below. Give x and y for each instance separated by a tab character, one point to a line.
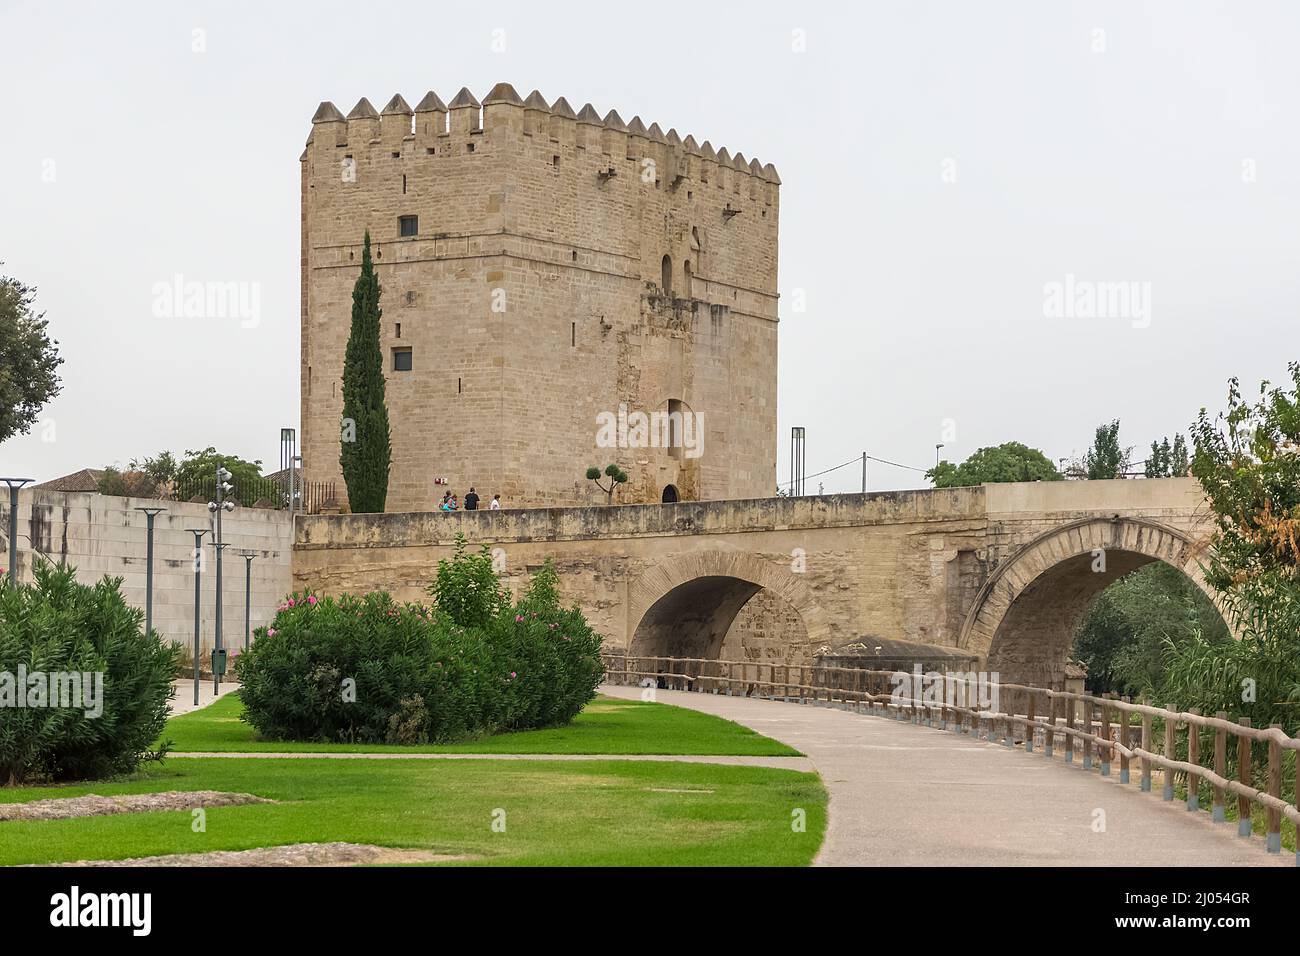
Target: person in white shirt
496	503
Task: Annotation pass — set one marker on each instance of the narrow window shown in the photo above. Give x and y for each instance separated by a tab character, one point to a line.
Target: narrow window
401	360
458	386
403	184
666	275
676	438
573	334
399	330
555	160
408	225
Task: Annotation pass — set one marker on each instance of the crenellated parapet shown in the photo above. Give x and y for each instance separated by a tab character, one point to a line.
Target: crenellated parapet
504	119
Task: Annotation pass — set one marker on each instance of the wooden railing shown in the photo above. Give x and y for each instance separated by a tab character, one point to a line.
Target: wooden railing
1104	727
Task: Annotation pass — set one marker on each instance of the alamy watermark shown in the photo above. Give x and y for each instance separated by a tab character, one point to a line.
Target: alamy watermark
974	690
672	429
181	299
1087	299
68	690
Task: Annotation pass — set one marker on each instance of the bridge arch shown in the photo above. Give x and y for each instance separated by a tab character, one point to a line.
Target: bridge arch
684	606
1024	618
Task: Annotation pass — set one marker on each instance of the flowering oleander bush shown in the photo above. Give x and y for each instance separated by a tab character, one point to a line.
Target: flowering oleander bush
369	669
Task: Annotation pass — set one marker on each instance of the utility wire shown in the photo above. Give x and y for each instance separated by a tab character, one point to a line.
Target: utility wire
853	461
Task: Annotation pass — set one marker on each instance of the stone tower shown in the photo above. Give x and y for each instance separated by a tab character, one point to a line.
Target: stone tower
552	281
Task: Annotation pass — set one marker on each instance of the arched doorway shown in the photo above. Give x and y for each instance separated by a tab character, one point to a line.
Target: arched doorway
1025	616
670	494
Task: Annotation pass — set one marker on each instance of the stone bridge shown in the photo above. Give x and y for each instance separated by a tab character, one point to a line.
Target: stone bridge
1003	570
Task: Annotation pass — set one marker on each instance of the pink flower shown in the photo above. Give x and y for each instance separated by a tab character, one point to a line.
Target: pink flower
311	599
270	632
513	675
518	618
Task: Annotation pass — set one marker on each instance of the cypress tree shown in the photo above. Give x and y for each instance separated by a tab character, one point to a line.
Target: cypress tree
365	453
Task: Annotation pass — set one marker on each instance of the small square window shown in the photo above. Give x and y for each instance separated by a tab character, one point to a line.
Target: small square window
401	360
408	226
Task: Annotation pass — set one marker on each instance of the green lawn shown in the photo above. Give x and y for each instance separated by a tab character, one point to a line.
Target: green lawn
585	813
606	726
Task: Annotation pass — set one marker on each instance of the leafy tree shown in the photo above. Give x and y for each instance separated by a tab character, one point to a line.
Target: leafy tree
160	469
1158	460
1106	459
197	475
29	360
1010	461
616	475
1125	635
466	588
366	452
1166	460
1179	463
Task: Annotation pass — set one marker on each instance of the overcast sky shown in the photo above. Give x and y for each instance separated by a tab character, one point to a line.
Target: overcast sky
944	163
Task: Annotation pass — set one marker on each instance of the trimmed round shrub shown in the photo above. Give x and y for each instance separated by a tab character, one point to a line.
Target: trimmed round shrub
106	682
369	669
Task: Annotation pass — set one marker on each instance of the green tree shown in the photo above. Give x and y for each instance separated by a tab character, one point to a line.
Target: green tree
1179	463
1010	461
1247	461
1106	459
29	359
1126	633
1158	460
366	452
196	475
616	475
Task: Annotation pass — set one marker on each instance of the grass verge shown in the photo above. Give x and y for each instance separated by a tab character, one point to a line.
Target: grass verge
606	726
598	813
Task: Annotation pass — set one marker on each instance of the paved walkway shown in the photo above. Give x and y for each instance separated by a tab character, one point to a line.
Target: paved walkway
903	794
182	701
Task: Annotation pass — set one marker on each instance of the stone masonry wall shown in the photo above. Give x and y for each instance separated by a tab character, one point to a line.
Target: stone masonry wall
533	297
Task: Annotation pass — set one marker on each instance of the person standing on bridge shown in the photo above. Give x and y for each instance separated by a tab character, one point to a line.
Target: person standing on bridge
471	500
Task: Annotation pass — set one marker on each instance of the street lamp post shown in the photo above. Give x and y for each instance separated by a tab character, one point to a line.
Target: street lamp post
936	454
217	508
150	514
198	597
248	557
14	485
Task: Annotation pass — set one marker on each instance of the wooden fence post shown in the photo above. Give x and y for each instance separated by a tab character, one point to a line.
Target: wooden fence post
1029	723
1171	729
1069	724
1145	785
1087	729
1125	741
1273	841
1194	758
1245	825
1049	735
1103	752
1220	767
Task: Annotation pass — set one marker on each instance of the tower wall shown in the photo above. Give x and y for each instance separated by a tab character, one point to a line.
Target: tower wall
533	301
